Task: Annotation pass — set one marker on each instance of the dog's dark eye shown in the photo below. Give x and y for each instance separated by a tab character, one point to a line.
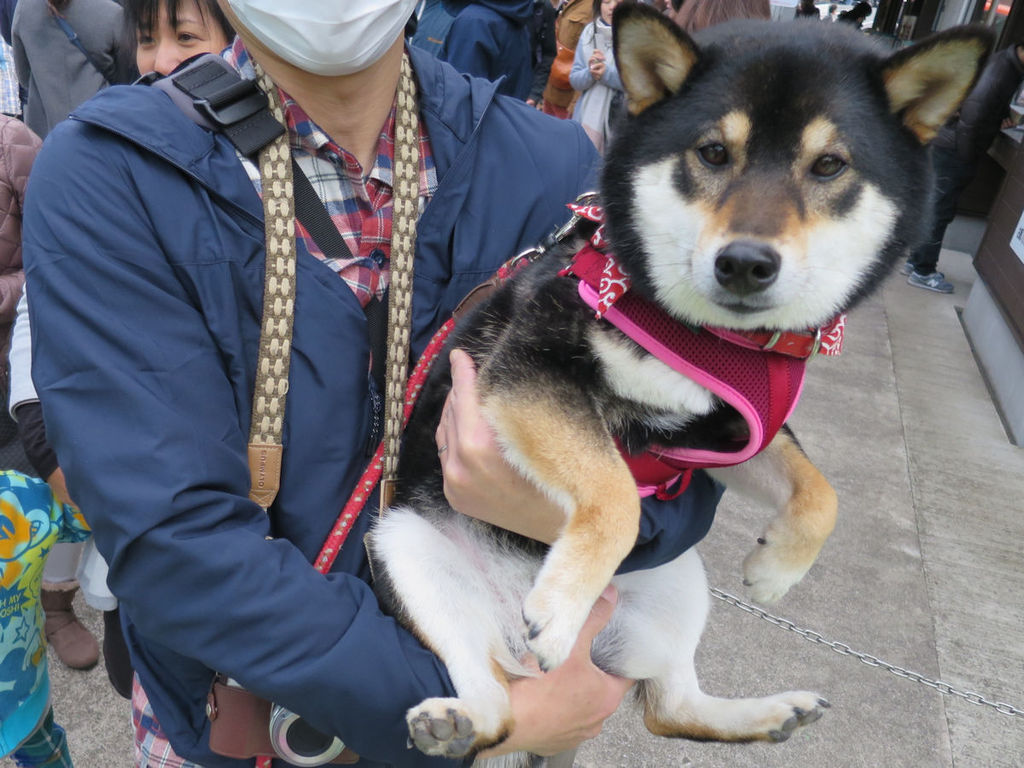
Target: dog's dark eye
713	154
828	166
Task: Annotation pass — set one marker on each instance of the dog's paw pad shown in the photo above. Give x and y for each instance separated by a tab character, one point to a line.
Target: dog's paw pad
441	727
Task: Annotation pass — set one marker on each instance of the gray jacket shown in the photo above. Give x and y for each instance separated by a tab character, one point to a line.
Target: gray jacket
56	76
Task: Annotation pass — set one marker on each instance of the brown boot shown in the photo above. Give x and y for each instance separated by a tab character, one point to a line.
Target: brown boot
73	643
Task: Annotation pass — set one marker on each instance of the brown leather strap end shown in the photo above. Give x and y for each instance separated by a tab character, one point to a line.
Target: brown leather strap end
265	471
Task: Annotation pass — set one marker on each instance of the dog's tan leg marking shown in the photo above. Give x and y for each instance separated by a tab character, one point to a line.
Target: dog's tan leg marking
570	456
792	541
709	718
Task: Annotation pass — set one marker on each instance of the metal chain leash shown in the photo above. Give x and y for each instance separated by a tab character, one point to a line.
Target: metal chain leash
866	658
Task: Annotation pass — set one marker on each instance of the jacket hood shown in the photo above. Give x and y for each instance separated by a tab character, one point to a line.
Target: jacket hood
518	11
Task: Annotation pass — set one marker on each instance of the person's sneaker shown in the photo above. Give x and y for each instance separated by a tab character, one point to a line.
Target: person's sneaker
936	281
908	267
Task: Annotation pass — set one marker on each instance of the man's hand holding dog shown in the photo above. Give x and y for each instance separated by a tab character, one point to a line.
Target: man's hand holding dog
477	480
565	707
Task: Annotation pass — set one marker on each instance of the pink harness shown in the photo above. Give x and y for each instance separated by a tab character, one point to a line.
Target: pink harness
760	373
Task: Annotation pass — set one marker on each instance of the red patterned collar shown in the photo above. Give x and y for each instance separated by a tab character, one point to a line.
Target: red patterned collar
594	265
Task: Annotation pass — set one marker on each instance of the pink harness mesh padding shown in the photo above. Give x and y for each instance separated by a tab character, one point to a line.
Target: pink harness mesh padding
762	386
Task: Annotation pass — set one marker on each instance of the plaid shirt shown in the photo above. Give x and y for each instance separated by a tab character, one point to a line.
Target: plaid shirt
360	204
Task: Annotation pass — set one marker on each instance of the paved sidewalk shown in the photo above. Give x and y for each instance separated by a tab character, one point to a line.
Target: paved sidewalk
925	570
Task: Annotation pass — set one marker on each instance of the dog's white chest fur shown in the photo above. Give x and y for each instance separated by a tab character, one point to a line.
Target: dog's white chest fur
643	378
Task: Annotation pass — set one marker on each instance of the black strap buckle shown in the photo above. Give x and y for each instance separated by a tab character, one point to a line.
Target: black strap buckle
230	105
212	94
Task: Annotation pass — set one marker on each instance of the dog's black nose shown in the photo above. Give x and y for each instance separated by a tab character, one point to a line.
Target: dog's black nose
744	267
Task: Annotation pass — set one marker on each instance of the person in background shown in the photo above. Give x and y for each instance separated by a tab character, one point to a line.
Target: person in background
71	641
10	90
432	25
808	10
596	77
696	15
956	151
32	520
833	9
857	15
559	95
545	47
55	74
7	19
492	39
168	32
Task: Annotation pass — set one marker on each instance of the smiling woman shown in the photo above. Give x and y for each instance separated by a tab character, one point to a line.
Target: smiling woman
170	31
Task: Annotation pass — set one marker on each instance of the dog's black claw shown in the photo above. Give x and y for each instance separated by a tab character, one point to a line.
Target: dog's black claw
747	583
761	540
532	629
824	704
779	736
809	717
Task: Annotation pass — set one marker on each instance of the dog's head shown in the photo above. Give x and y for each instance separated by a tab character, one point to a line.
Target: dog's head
769	174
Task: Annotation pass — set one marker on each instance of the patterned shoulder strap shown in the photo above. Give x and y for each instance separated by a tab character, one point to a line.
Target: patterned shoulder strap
268	402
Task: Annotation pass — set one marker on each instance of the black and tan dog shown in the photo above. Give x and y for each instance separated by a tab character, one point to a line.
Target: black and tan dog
766	179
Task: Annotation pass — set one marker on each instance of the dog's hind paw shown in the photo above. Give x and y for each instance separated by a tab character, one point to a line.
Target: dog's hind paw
769	718
441	727
789	711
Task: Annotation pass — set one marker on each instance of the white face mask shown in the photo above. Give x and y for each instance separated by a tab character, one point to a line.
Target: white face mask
325	37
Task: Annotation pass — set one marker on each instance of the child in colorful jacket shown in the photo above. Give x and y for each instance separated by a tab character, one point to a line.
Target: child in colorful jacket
31	522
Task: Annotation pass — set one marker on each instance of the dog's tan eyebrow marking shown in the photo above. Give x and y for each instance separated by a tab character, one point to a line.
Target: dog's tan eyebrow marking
736	127
819	137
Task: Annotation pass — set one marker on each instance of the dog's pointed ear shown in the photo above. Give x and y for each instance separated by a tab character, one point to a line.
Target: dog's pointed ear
927	82
653	55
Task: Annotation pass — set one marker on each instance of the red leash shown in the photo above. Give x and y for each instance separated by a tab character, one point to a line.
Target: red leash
370	478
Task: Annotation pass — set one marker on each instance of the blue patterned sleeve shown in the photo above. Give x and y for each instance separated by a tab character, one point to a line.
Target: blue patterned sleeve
73	527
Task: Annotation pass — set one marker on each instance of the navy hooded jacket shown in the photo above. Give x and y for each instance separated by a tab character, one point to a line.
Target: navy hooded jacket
143	242
492	39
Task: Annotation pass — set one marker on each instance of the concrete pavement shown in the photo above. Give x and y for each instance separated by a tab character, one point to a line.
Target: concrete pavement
925	571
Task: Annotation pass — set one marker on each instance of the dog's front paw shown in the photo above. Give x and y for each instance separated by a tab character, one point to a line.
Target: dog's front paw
552	626
441	727
772	567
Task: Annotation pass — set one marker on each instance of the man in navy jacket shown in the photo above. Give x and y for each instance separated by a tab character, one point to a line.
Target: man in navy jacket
144	247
